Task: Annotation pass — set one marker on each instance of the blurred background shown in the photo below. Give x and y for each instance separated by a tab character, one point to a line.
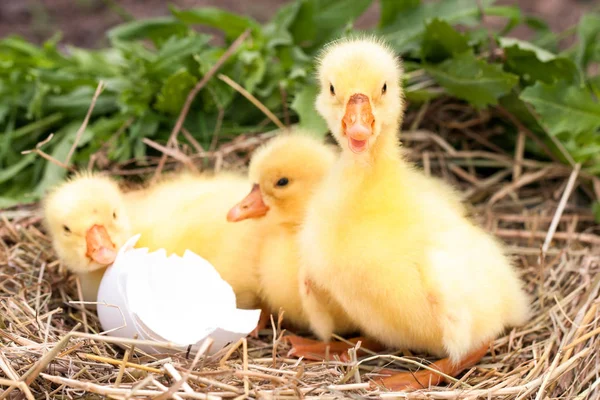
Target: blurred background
479	74
84	22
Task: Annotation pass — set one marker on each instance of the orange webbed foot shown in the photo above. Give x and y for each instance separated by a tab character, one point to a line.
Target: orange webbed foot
321	351
426	378
263	321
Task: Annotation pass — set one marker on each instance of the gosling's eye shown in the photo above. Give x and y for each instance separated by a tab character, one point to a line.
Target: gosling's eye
114	214
282	182
384	88
66	229
331	89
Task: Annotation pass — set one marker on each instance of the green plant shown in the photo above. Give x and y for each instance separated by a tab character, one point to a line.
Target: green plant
44	89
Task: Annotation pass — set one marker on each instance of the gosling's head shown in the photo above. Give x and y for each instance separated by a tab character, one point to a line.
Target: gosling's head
87	221
284	172
360	92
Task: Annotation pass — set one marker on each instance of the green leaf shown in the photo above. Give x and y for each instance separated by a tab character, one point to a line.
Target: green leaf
217	94
524	113
232	25
43	123
20	46
103	62
512	13
302	27
544	37
422	95
541	54
536	23
333	15
175	49
254	67
587	32
12	171
280	30
533	63
139	150
288	14
174	91
304	105
563	107
441	41
78	102
405	32
596	211
311	23
594	83
11	201
337	13
135	98
473	80
390	9
154	28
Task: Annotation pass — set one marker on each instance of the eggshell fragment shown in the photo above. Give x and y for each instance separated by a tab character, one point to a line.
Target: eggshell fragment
182	300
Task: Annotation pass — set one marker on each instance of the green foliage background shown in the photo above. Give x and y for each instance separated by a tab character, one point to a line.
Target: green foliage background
151	65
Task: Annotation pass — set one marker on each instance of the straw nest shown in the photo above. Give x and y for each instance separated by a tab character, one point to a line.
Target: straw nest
53	348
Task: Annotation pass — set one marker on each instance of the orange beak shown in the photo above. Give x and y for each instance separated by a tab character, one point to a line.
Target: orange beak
358	122
252	206
99	246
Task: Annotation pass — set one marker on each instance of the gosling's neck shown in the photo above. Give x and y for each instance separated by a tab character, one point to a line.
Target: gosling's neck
285	222
387	146
90	283
291	225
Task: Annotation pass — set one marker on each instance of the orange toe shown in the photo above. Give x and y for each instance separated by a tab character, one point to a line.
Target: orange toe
407	381
427	378
263	321
320	351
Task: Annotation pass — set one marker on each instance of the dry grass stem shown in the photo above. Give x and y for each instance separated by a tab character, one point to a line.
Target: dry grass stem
176	154
253	100
81	129
38	150
561	208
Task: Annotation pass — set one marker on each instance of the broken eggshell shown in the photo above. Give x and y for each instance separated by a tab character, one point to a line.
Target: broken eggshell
182	300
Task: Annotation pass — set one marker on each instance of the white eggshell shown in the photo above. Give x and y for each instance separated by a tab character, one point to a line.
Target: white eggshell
182	300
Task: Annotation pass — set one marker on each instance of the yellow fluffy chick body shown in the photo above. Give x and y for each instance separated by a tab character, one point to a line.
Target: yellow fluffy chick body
71	209
188	212
388	244
288	169
181	212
